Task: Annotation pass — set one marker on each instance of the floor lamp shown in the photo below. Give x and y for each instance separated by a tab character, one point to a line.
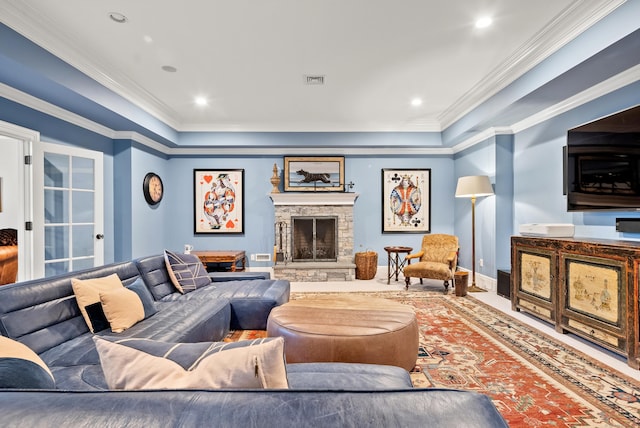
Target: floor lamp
472	187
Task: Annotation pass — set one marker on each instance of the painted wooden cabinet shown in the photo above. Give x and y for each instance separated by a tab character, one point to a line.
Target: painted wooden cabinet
587	287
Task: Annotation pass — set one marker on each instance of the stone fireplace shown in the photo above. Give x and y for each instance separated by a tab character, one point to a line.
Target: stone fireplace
315	237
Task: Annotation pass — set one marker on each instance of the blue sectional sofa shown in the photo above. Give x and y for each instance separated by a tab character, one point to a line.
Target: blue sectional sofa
43	315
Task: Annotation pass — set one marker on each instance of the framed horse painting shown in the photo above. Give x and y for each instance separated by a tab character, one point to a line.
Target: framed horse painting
313	174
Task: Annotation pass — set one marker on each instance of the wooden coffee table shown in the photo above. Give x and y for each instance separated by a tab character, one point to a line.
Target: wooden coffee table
226	256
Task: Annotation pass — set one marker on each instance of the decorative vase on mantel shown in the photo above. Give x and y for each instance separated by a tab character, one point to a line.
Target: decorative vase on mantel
275	179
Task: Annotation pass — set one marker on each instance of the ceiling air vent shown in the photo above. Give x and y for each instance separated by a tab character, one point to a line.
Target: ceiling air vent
314	79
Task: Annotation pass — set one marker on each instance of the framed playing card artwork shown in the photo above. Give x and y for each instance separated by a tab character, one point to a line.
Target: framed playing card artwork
406	200
218	201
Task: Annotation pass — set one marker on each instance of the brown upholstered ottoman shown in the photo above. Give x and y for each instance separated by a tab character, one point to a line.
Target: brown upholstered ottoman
350	329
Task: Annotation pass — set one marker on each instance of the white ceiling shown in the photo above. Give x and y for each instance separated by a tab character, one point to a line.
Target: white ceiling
248	57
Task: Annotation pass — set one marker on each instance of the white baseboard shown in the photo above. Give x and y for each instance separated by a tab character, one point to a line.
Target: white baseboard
261	269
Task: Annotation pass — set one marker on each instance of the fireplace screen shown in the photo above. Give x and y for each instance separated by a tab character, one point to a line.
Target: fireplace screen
314	239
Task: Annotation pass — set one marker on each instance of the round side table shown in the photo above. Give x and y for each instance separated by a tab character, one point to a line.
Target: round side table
394	263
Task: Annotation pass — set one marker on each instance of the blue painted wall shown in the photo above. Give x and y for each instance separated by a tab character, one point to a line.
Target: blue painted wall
538	193
170	224
477	160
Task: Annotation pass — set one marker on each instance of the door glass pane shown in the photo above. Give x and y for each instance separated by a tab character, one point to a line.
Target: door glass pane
80	264
56	206
56	268
56	170
82	207
82	240
56	242
82	173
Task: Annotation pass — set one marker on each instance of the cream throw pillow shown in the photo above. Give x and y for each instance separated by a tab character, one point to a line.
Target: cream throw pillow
122	308
213	366
87	292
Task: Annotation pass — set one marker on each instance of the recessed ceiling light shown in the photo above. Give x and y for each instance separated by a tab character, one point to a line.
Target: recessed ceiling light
484	22
201	101
416	102
118	17
148	39
169	68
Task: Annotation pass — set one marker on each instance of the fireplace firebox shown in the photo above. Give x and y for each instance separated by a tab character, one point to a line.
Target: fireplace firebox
314	239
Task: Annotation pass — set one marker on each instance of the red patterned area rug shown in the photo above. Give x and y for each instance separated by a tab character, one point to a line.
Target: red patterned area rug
533	379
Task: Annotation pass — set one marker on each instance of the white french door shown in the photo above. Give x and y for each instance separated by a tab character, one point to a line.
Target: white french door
68	209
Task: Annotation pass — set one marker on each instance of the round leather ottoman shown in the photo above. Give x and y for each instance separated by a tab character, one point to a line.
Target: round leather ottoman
349	329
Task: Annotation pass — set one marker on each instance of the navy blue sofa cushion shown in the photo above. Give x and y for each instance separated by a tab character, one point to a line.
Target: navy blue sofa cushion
264	408
153	270
347	376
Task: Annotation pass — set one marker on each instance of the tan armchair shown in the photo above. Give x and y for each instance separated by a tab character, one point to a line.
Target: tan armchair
438	259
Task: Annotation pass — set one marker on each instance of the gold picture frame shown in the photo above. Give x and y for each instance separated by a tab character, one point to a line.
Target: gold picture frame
314	174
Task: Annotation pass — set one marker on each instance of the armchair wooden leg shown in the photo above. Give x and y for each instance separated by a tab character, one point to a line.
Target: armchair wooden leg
407	280
446	287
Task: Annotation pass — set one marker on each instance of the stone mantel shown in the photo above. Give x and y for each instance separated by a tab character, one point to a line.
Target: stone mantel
314	198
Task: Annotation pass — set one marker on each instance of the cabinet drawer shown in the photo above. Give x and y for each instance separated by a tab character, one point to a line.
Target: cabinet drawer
536	309
594	334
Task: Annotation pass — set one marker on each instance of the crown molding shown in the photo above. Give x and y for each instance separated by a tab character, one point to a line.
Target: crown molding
573	21
424	126
45	107
614	83
311	151
482	136
40	30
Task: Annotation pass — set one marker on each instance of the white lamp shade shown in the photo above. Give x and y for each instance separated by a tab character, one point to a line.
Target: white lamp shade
473	186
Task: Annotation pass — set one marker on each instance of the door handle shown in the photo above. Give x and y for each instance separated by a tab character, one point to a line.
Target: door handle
99	236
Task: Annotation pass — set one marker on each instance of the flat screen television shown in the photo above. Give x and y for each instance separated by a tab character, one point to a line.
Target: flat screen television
602	164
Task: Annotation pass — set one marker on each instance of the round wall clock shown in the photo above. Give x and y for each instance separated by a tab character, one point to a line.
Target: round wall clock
152	188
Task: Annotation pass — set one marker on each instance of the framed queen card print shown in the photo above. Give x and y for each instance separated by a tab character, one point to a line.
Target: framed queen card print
218	201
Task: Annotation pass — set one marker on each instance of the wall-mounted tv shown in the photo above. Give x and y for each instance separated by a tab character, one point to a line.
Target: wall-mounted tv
602	169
